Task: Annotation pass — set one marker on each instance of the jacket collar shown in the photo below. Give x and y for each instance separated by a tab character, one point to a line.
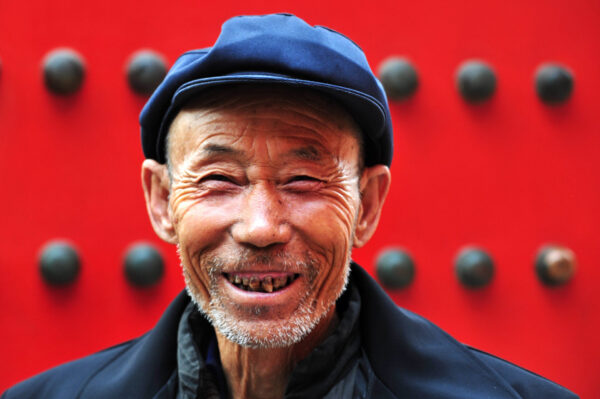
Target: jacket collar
150	361
414	358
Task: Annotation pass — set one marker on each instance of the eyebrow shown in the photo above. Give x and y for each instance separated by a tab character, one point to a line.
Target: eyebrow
216	149
307	153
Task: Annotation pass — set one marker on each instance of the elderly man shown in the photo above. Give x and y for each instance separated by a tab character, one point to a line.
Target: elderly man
267	162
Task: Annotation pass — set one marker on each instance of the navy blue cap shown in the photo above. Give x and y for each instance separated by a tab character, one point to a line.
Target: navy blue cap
277	49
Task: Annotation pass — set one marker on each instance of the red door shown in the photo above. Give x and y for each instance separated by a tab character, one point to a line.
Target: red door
509	174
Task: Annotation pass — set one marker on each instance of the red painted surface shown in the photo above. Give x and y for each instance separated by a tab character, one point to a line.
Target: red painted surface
509	175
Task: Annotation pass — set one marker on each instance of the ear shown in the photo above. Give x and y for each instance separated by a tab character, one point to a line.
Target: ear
374	185
156	184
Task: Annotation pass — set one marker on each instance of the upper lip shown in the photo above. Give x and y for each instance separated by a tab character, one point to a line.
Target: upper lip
262	269
261	273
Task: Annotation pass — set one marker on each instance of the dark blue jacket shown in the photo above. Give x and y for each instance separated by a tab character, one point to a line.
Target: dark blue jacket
410	357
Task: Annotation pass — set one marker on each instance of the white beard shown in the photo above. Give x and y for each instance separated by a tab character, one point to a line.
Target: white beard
263	334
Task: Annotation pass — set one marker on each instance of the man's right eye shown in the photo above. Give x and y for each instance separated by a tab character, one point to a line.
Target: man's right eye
217	181
216	177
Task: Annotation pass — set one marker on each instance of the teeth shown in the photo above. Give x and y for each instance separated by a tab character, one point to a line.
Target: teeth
279	282
267	284
255	284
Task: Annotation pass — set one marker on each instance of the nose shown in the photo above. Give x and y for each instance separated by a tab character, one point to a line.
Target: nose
262	219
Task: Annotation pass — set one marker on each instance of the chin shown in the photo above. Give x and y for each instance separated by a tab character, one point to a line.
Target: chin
259	322
257	333
264	333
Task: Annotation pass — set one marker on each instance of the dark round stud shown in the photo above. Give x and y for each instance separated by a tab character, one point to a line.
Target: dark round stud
399	78
476	81
395	268
474	267
145	71
64	71
143	265
553	83
555	265
59	263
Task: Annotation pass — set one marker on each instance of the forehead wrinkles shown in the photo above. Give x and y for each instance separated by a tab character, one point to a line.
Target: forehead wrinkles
249	96
245	133
266	113
234	116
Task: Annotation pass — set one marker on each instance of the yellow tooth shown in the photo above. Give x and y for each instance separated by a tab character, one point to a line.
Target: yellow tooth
238	279
267	284
254	283
279	282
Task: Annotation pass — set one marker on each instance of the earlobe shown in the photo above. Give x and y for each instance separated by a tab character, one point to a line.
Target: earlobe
156	185
374	185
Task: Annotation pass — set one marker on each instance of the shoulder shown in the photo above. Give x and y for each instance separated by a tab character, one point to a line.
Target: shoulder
412	357
137	368
67	380
525	382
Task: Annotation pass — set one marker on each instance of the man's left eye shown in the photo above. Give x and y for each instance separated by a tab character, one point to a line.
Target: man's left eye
303	178
303	183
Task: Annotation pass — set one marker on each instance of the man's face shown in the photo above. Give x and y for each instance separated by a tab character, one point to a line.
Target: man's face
264	200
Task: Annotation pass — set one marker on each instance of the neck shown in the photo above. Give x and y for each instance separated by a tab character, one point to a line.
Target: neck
264	372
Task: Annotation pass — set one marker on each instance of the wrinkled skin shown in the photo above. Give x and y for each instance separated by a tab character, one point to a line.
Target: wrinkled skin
265	181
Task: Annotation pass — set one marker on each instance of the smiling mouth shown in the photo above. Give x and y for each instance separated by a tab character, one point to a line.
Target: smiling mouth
263	282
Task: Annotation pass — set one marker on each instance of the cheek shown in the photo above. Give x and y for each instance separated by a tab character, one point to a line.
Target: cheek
199	227
341	200
330	230
328	224
333	214
198	217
